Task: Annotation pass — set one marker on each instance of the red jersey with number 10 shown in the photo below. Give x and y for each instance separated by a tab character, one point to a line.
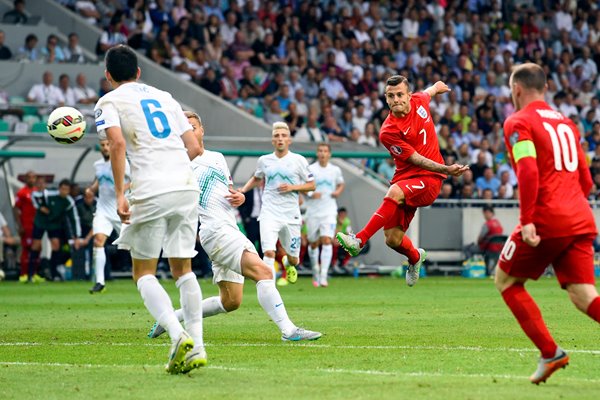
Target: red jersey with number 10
561	208
415	132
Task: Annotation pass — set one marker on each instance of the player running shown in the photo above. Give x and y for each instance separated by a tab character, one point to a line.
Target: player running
321	213
556	223
106	218
409	135
233	255
286	174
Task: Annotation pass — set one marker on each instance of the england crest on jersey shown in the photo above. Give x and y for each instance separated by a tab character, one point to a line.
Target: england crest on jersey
422	112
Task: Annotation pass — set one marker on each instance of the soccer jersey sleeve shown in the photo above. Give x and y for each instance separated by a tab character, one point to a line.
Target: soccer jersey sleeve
260	168
304	172
339	178
397	147
225	169
106	116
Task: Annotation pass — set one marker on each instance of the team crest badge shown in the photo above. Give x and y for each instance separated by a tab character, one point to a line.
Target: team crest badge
98	113
514	138
396	150
422	112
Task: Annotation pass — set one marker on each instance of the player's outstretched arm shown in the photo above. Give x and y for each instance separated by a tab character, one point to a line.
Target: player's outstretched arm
309	186
251	184
191	144
430	165
437	88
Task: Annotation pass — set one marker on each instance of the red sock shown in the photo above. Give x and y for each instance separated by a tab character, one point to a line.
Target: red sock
385	211
594	309
406	248
530	318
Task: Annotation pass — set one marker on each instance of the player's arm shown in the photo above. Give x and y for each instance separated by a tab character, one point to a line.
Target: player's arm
7	236
117	162
17	215
253	182
437	88
235	197
301	188
338	190
191	144
93	187
585	177
525	159
430	165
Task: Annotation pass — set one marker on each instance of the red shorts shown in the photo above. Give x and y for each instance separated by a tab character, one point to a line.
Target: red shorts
572	258
418	192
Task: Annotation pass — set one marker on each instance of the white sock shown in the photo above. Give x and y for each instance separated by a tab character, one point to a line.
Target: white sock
212	306
326	255
99	264
158	303
313	255
191	304
270	300
271	263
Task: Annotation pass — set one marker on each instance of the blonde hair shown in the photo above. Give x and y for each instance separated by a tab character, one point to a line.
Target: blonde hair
191	114
280	125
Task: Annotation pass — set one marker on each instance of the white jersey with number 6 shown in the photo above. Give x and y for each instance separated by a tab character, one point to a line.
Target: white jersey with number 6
152	123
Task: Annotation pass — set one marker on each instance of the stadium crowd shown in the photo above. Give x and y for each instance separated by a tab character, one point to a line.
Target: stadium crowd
320	66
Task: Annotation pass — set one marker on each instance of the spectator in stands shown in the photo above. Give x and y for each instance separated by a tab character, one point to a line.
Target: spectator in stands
17	14
311	131
506	188
46	92
5	53
87	9
111	36
104	88
274	113
487	181
310	83
479	166
387	168
333	87
370	137
83	93
73	53
210	82
28	52
64	84
333	131
52	53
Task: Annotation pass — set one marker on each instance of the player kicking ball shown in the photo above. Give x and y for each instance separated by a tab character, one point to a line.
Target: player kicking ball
556	223
233	255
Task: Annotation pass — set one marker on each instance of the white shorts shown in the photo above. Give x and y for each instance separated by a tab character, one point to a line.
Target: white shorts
167	221
288	235
317	227
225	248
105	225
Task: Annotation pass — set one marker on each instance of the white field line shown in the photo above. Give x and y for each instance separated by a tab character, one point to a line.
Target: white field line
311	345
423	374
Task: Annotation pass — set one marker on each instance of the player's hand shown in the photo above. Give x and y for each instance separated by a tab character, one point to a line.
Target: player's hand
316	195
235	198
441	87
457	169
285	188
529	235
123	209
76	243
44	210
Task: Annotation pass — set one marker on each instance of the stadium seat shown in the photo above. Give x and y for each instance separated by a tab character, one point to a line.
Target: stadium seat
31	119
39	127
4	126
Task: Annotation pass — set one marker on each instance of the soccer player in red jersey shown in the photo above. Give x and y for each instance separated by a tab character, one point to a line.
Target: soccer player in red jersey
556	223
24	214
409	135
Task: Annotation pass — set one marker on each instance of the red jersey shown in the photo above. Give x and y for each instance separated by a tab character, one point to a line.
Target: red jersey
24	203
415	132
492	228
560	207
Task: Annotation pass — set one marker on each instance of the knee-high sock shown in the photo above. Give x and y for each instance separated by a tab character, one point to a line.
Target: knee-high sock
99	264
54	257
385	211
271	263
191	304
530	318
406	248
594	309
270	300
33	259
158	303
313	254
326	254
210	306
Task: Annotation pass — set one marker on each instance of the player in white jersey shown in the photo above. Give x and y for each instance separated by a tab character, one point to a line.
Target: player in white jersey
321	213
233	255
106	218
161	210
285	174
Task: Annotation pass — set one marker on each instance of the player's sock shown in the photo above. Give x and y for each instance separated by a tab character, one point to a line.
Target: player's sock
313	254
385	212
270	300
212	306
158	303
406	248
326	255
33	257
530	318
594	309
99	263
271	263
54	260
191	304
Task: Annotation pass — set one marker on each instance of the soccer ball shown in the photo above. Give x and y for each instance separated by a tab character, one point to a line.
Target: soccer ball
66	125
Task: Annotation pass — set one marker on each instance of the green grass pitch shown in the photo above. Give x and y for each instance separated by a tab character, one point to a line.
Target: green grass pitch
445	338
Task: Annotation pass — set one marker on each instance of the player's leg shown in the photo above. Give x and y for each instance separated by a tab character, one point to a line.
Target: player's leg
312	232
518	263
270	299
326	230
26	240
396	238
290	240
55	256
269	232
99	262
34	253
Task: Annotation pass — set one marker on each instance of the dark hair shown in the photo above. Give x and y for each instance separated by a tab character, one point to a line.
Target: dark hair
121	63
342	209
64	182
489	208
395	80
324	144
530	76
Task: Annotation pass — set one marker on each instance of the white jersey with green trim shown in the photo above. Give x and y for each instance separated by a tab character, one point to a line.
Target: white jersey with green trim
214	179
291	169
327	179
107	201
